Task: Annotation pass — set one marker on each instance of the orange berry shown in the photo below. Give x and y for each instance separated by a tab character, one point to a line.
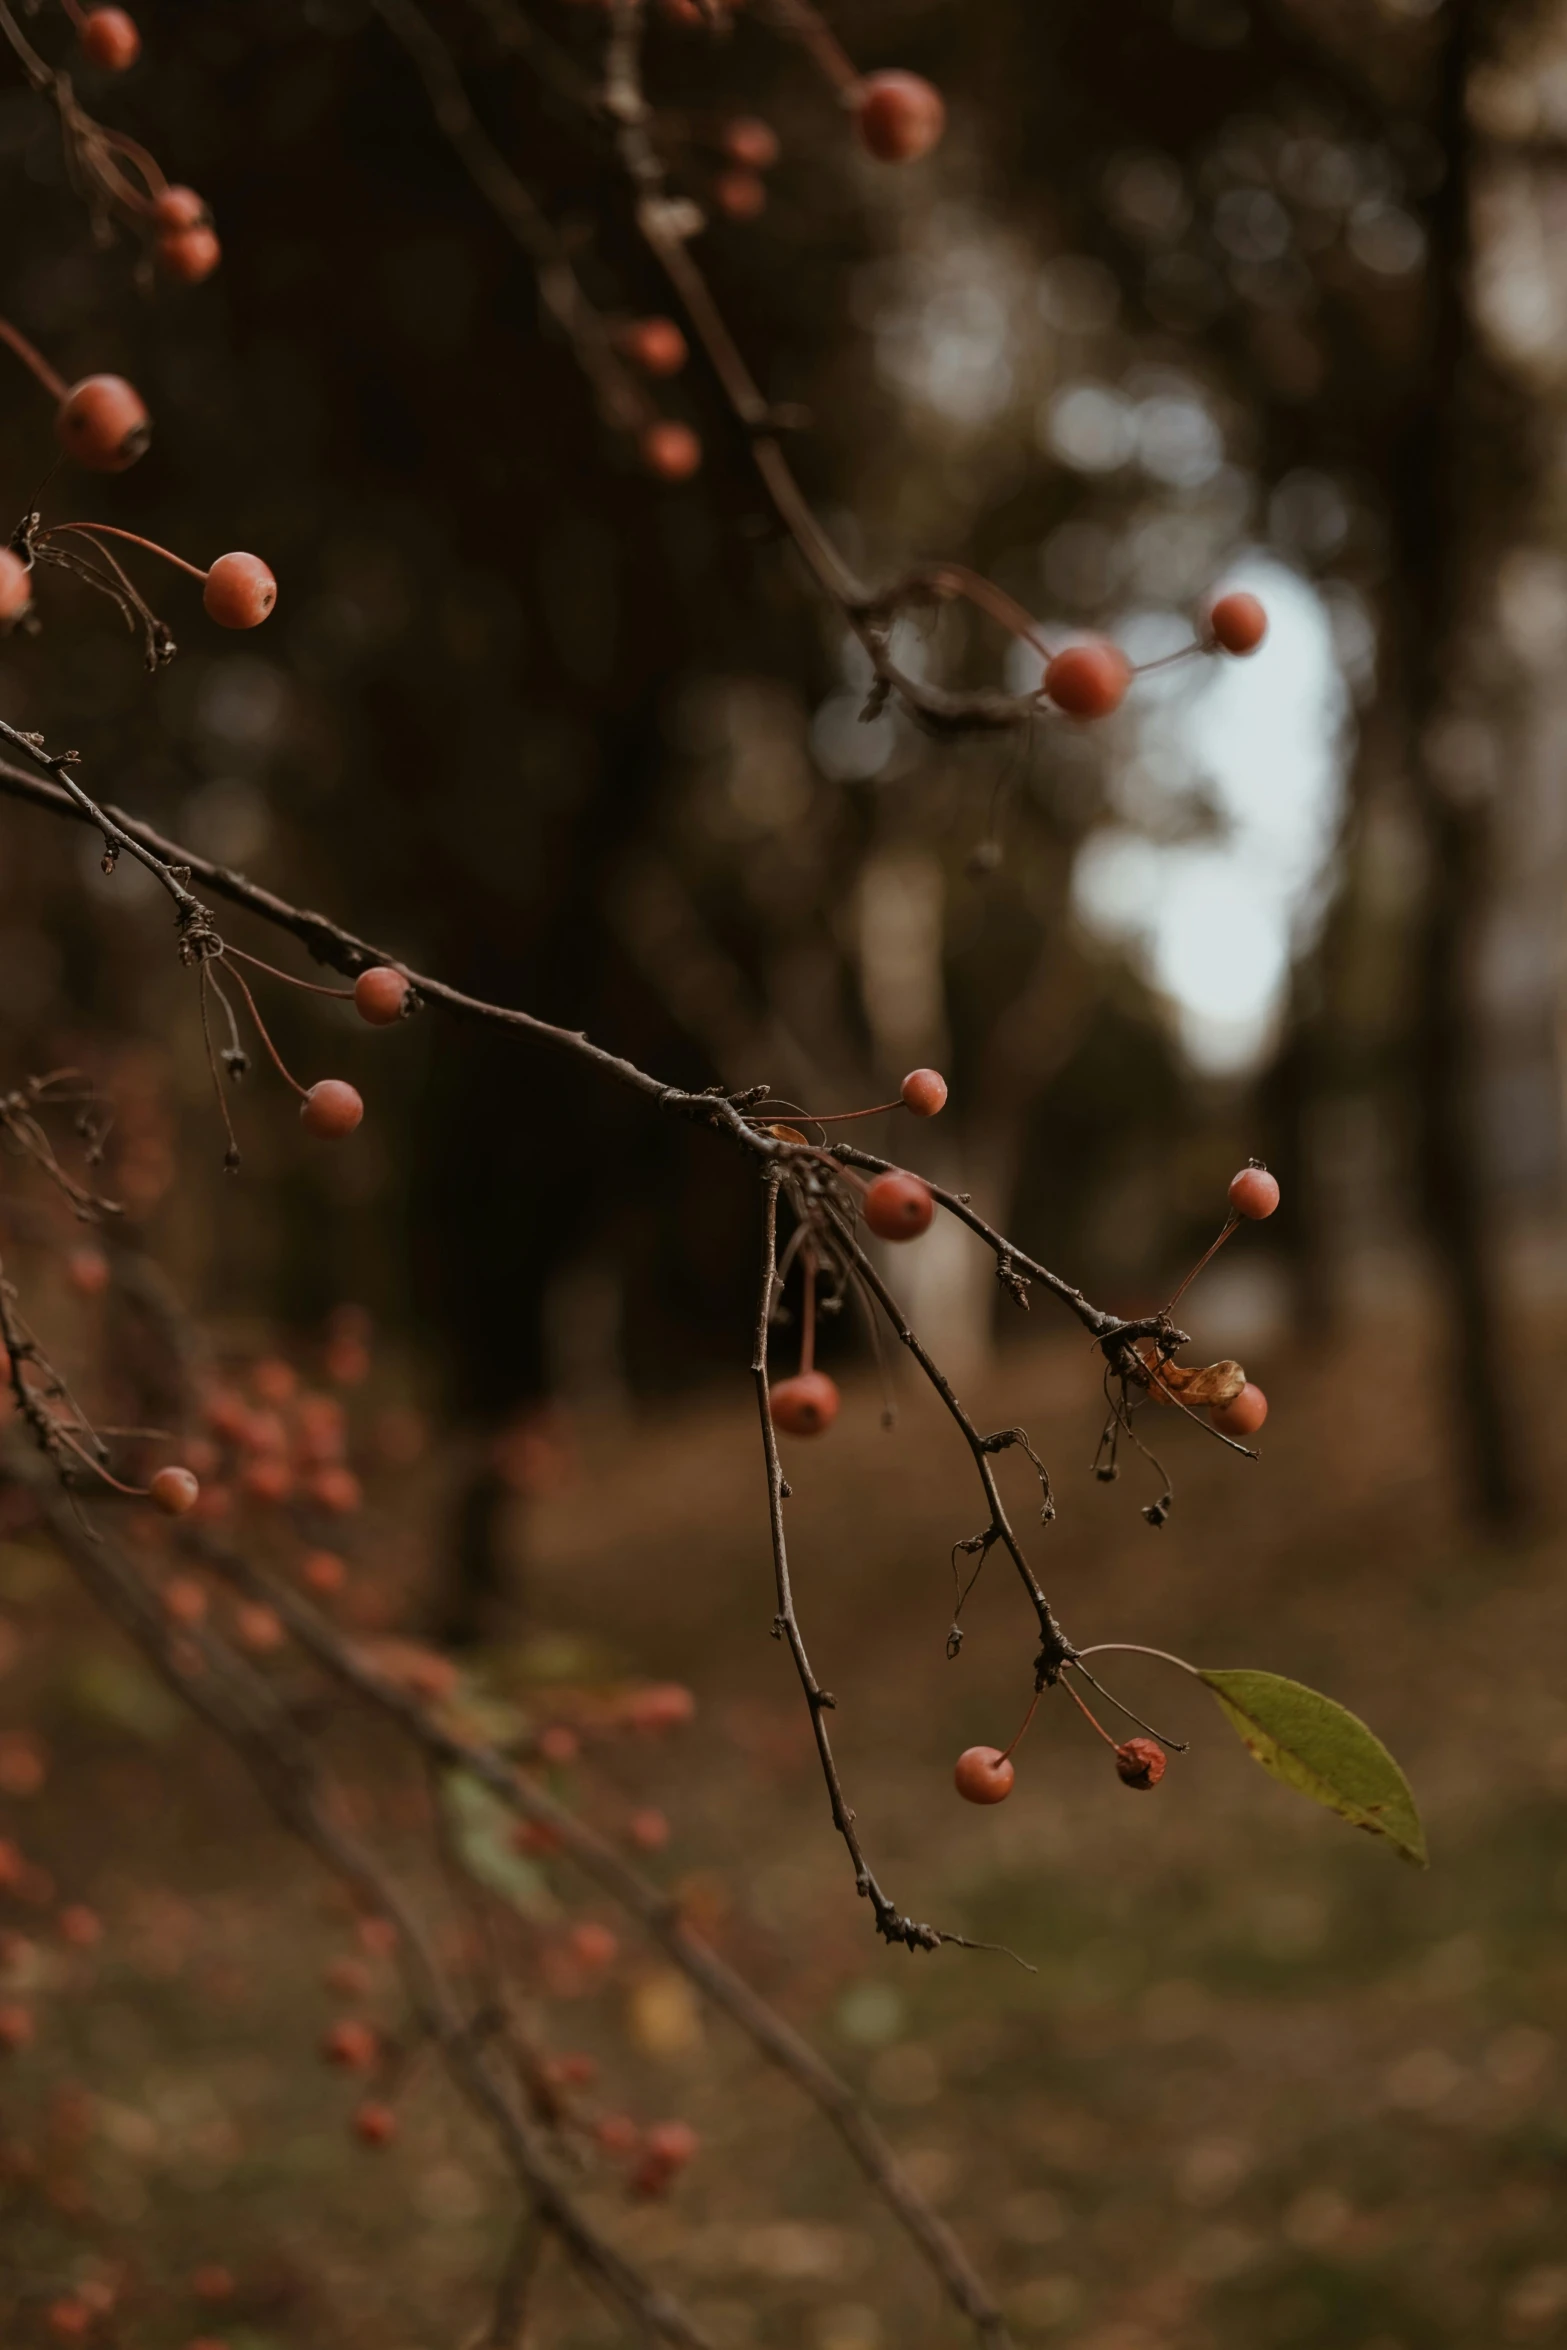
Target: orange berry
274	1380
924	1091
1140	1762
1237	623
1254	1193
87	1270
16	585
900	116
1089	680
750	142
191	254
648	1829
804	1405
593	1945
379	995
656	345
663	1705
740	195
258	1628
331	1110
983	1775
268	1480
109	39
68	2319
184	1599
178	208
175	1490
16	2029
324	1571
898	1207
239	593
336	1490
351	2044
102	424
1244	1414
375	2125
671	450
672	2143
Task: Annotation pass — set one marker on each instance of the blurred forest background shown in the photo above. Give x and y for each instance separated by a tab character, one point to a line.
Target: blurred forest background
1271	292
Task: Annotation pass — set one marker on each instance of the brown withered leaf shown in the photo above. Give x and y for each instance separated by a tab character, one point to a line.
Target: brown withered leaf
1197	1384
786	1134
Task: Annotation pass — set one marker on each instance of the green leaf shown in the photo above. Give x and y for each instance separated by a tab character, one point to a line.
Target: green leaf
481	1827
1323	1750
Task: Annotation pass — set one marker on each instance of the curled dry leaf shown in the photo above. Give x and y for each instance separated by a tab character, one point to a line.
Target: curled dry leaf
1196	1384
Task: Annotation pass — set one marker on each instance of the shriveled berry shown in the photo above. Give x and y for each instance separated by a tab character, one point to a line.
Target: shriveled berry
1238	623
1244	1414
102	424
190	254
331	1110
110	40
750	142
379	995
899	1207
240	591
924	1091
177	208
740	195
1088	680
804	1405
983	1775
1140	1762
175	1490
16	585
900	116
671	450
1254	1192
656	345
375	2125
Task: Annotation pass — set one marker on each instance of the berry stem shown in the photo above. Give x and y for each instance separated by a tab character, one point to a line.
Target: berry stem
33	360
1206	1258
1017	1737
825	51
1084	1711
837	1117
1176	1745
264	1033
112	530
1134	1648
808	1309
311	986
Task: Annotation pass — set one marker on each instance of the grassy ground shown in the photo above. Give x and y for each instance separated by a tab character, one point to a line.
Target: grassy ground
1268	2086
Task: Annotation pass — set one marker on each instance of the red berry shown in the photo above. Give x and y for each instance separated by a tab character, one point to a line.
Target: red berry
648	1830
212	2283
983	1775
559	1743
1237	623
1254	1192
184	1599
179	208
899	1207
16	2029
663	1705
674	2144
1090	680
109	38
16	585
258	1628
1140	1762
740	194
336	1490
324	1571
87	1270
102	423
671	450
190	254
592	1945
68	2320
1244	1414
352	2045
924	1091
656	345
175	1491
750	142
331	1110
379	995
269	1479
617	2133
274	1381
375	2125
900	116
239	593
80	1926
804	1405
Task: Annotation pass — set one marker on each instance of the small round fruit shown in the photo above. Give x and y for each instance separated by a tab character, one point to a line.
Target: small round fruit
924	1091
351	2045
331	1110
190	254
178	208
109	39
671	450
103	424
1140	1763
1238	623
16	2029
175	1490
375	2125
983	1775
1244	1414
1089	680
593	1945
656	345
750	142
16	585
379	995
740	195
900	116
1254	1193
184	1600
804	1405
899	1207
240	591
673	2144
87	1270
